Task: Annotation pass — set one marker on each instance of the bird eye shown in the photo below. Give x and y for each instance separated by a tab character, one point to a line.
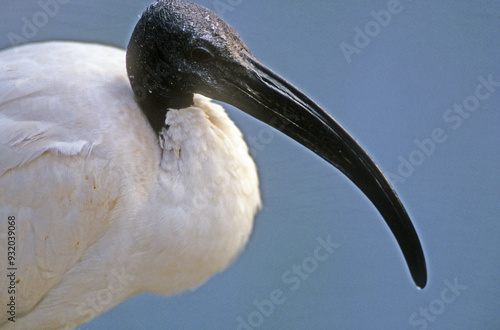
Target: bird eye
201	54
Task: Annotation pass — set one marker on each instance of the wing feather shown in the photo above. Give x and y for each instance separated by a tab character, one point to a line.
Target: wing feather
61	174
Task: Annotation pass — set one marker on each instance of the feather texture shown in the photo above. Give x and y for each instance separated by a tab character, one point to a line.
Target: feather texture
105	208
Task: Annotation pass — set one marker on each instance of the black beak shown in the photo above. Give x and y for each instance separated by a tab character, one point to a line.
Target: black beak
266	96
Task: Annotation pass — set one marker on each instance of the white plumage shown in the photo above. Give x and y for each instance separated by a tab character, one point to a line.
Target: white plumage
95	194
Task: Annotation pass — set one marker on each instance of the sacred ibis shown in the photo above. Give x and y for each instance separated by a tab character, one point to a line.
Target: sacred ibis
116	165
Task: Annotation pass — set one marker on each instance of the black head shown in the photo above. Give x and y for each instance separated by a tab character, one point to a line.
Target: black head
180	48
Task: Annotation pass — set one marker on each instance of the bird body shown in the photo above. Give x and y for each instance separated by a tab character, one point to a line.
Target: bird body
92	188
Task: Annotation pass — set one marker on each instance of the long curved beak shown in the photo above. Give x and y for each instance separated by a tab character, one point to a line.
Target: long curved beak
266	96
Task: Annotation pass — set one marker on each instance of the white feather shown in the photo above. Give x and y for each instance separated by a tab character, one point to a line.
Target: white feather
103	207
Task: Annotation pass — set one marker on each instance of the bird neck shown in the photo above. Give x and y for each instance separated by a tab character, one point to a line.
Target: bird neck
156	107
200	213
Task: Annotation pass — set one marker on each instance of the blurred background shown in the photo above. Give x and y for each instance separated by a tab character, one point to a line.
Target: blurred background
417	83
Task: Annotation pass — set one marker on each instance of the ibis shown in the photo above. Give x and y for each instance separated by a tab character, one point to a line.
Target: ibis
119	175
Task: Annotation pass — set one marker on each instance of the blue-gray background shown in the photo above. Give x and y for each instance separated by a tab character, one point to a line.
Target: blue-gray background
396	89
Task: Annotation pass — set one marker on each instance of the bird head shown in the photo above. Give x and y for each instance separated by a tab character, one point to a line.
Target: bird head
180	48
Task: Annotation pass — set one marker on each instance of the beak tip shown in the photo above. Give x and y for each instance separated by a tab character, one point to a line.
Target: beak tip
420	280
419	272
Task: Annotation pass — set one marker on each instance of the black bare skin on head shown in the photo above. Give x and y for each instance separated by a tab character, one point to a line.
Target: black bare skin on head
179	48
